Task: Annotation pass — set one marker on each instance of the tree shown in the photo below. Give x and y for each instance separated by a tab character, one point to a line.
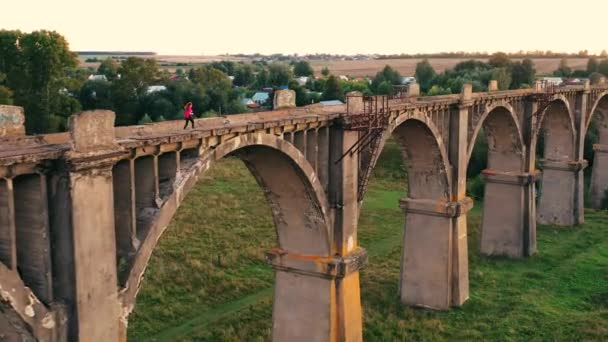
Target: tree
145	120
302	68
243	76
325	71
136	75
592	65
109	68
522	74
96	95
500	60
279	74
502	76
261	79
425	74
6	96
563	70
603	67
333	90
35	66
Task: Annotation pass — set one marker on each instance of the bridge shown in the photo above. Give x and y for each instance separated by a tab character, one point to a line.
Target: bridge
81	212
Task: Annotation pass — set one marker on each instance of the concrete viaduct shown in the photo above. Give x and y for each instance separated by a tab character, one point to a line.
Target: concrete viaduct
81	212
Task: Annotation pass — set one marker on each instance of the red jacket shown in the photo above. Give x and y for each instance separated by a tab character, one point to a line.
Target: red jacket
188	112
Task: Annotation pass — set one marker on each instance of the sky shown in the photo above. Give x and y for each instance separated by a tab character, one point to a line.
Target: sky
190	27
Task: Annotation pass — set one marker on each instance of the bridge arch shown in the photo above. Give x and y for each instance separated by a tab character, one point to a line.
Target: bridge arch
503	219
426	277
599	179
297	200
558	194
505	138
599	112
423	135
556	124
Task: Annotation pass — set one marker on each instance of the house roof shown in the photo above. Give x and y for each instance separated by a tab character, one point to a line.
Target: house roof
155	88
331	103
260	96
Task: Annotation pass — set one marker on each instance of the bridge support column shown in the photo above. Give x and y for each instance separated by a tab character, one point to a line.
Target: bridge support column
503	228
599	177
561	202
430	268
93	154
309	294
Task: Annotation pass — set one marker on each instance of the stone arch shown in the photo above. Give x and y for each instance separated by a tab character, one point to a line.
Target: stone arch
503	219
421	127
557	124
599	112
506	149
599	177
560	169
427	267
297	199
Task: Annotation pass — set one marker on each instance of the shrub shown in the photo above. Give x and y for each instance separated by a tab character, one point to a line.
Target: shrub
476	187
145	119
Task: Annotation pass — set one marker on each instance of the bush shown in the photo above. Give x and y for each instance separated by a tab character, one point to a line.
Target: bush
145	120
604	204
476	187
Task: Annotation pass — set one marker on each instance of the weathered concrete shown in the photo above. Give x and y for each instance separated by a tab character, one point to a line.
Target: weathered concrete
102	194
503	220
12	121
284	98
599	179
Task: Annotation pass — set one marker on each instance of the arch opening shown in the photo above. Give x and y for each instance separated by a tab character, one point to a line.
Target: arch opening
596	153
417	164
495	173
555	157
291	193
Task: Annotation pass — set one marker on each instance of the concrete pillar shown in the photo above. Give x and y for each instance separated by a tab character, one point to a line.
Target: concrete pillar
91	193
311	147
343	197
300	141
33	234
503	230
430	276
559	202
8	238
458	153
12	121
123	177
493	85
413	90
599	177
323	161
145	192
309	296
168	167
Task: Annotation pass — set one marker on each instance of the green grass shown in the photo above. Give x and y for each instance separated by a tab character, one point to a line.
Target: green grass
207	279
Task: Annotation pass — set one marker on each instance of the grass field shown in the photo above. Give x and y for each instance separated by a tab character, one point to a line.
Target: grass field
353	68
207	280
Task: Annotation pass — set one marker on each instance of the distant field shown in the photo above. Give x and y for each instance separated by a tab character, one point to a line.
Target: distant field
207	279
408	66
354	68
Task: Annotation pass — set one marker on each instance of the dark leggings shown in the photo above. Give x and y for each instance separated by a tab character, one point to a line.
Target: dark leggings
189	120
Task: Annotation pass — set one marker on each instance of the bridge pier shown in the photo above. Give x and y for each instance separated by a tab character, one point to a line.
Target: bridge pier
309	294
505	208
561	202
93	154
599	180
431	275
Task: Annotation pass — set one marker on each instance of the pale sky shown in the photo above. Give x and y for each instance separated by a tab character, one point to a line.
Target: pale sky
307	26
